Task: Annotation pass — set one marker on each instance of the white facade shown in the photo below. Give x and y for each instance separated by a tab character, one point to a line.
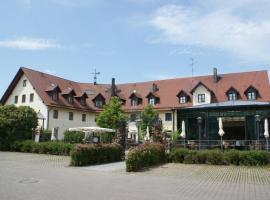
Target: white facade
24	87
27	89
201	90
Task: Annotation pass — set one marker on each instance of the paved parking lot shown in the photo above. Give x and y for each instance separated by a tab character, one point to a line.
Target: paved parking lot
32	176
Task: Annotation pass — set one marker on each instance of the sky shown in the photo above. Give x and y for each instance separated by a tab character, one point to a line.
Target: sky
133	40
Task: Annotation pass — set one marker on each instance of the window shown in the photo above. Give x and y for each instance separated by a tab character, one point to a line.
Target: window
151	101
55	114
182	99
201	98
23	98
84	117
99	103
55	96
168	117
24	83
70	99
70	116
16	99
251	95
31	97
232	96
133	117
83	101
134	102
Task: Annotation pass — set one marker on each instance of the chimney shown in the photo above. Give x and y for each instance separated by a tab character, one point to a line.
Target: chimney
113	87
215	75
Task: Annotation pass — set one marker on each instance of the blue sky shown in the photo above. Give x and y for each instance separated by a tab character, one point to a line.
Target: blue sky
133	40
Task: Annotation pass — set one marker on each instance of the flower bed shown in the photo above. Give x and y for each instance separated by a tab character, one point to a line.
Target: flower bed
145	155
90	154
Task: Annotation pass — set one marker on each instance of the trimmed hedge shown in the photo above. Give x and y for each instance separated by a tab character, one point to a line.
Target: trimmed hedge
54	148
216	157
73	136
90	154
145	155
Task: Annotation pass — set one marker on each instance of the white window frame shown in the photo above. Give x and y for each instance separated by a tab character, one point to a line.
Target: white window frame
152	100
200	99
182	99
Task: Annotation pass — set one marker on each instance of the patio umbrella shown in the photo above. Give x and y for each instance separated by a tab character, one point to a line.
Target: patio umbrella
266	132
53	138
220	131
147	136
183	133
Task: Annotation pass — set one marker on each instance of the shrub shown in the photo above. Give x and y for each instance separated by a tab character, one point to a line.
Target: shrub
89	154
214	157
46	136
145	155
73	136
54	148
177	155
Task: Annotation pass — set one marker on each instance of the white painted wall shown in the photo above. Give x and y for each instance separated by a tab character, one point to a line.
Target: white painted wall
37	104
64	123
201	90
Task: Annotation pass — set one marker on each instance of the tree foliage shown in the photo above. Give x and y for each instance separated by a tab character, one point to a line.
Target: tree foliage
16	123
149	117
113	115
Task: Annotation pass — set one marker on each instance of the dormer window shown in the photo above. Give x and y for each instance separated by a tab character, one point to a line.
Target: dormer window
201	98
53	90
232	94
69	95
99	101
55	96
134	101
183	97
24	83
83	101
152	100
135	98
252	93
70	99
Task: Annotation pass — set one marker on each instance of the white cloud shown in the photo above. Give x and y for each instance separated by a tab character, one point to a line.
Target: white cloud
239	28
49	71
26	43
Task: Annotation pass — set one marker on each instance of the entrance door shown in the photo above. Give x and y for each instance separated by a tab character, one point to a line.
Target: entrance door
234	128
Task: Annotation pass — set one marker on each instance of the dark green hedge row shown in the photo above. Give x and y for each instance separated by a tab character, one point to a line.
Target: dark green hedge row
90	154
54	148
145	155
73	137
216	157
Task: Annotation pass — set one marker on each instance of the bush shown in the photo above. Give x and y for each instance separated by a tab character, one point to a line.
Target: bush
46	136
89	154
145	155
54	148
73	136
216	157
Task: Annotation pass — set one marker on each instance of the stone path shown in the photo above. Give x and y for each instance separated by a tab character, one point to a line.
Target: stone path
42	177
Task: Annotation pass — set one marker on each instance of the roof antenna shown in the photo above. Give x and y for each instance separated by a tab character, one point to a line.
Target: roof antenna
95	76
192	63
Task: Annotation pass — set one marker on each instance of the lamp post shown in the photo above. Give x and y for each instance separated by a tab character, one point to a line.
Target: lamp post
199	120
257	120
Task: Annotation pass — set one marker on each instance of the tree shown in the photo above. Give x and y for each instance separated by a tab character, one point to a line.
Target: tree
149	117
112	115
16	123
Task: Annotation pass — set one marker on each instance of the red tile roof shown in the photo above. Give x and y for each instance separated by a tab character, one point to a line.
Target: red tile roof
167	89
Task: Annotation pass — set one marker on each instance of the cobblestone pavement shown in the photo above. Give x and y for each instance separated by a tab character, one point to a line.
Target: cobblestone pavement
40	177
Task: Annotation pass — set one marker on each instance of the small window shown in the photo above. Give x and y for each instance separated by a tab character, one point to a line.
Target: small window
99	103
23	98
55	114
182	99
152	101
134	102
16	99
201	98
168	117
31	97
70	115
84	117
232	96
24	83
133	117
83	101
70	99
251	95
55	96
